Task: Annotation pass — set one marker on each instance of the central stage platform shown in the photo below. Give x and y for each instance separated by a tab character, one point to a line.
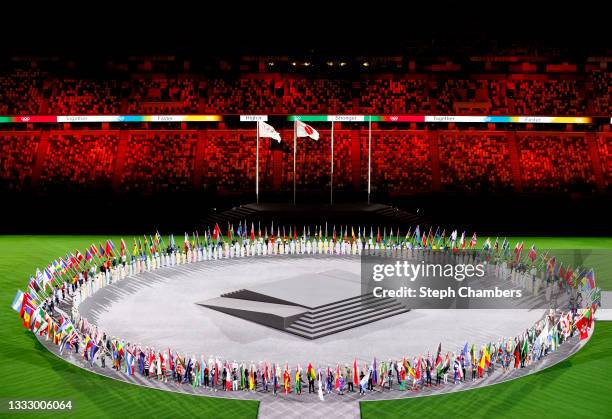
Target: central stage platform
162	309
308	305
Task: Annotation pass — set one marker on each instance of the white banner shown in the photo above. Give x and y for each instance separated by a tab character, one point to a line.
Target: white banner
253	118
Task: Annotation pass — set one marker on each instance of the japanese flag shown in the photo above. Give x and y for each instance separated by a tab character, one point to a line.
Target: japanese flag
303	130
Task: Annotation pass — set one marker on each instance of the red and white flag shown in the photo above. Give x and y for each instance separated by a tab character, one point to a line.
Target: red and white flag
304	130
532	253
268	131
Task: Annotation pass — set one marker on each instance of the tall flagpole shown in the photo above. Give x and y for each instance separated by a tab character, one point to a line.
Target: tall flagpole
331	189
369	155
294	155
257	166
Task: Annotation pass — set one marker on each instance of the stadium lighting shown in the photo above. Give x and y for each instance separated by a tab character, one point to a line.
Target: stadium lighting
294	63
342	64
330	63
366	64
306	64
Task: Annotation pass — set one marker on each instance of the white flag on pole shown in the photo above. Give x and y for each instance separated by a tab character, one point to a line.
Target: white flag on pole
304	130
268	131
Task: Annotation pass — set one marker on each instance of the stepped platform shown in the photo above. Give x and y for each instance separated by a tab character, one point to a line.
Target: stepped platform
310	306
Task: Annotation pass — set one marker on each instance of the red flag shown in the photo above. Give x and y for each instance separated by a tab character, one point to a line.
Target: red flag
417	369
355	376
583	325
252	232
122	247
108	249
473	241
532	253
216	232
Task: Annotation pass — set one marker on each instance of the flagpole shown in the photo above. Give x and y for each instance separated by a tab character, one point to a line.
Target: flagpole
257	166
294	155
369	155
331	189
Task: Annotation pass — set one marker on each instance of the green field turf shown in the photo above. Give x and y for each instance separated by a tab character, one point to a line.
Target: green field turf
577	387
30	372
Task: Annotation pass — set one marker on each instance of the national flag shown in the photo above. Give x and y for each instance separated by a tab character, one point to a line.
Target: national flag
590	277
216	233
304	130
252	237
462	241
129	360
18	301
568	276
374	372
33	285
417	369
25	302
532	253
583	324
101	250
88	255
27	316
239	230
518	249
267	131
473	240
122	248
487	244
438	361
109	247
355	374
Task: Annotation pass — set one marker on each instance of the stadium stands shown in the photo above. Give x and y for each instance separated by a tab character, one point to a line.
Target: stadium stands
159	162
475	162
554	163
39	92
604	145
79	162
403	162
82	97
17	156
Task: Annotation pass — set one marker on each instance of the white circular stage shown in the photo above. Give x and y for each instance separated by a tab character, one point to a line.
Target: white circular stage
294	309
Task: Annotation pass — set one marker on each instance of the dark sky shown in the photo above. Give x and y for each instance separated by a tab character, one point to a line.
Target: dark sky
273	27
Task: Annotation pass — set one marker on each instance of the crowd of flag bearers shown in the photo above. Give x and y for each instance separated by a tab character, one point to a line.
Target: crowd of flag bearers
78	275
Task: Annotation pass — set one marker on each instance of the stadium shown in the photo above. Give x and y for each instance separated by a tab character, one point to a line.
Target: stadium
253	229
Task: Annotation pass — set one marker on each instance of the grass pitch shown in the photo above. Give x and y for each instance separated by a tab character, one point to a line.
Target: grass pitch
578	386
